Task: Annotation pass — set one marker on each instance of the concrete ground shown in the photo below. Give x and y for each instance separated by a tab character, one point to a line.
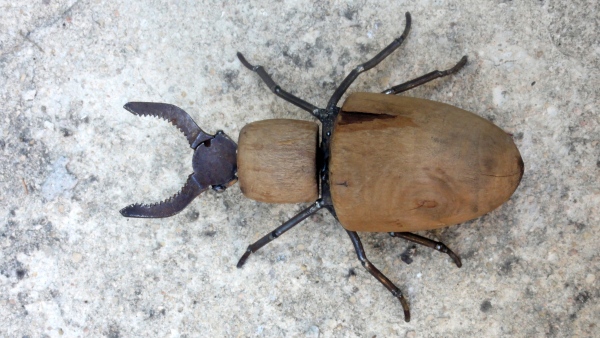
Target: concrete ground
71	157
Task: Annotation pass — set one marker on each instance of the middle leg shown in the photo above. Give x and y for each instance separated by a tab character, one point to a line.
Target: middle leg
337	95
360	252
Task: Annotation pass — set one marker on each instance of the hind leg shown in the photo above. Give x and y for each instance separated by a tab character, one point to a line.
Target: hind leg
426	78
439	246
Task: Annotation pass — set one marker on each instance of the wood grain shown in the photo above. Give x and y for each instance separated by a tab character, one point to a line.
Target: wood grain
407	164
277	161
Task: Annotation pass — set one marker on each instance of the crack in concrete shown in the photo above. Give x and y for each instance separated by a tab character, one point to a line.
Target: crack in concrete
26	36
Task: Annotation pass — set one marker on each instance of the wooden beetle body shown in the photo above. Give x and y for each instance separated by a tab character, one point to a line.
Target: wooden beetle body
407	164
381	163
277	161
397	163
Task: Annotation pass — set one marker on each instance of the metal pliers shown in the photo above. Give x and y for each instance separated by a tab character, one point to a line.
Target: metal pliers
214	161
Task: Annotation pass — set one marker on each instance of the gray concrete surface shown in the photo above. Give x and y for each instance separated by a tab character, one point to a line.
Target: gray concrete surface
71	157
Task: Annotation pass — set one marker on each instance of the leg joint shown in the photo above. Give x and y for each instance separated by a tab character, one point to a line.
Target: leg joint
397	293
441	247
365	263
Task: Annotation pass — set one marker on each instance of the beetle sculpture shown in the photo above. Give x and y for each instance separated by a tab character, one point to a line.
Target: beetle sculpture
384	163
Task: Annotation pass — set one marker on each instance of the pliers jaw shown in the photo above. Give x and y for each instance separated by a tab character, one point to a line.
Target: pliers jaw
214	161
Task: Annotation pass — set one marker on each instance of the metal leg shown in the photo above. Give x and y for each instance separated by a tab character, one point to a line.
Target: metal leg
274	87
368	65
439	246
425	78
360	252
280	230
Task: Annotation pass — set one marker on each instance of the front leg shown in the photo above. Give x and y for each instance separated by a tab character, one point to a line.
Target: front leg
279	231
274	87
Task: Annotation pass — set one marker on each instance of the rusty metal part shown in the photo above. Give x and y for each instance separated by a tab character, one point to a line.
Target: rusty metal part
214	161
177	116
169	207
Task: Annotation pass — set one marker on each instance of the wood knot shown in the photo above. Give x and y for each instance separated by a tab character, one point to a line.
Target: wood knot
426	204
